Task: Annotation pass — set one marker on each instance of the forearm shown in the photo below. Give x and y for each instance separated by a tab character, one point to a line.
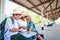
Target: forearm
30	28
20	27
14	30
24	27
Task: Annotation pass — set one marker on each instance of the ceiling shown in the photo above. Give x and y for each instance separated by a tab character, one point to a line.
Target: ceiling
51	8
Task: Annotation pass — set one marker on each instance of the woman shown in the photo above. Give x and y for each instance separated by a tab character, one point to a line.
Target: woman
31	27
22	22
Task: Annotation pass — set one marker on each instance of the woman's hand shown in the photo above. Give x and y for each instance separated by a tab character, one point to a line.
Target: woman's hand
19	27
24	27
20	30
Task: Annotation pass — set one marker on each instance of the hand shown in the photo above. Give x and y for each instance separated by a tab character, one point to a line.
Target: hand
14	30
24	27
29	32
20	30
19	27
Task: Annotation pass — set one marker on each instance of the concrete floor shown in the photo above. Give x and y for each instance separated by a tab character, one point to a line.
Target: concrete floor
50	33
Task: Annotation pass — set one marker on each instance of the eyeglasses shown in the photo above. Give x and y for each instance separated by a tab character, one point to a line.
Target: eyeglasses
16	14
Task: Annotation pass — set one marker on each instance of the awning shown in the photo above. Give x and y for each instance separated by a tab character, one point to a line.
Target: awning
50	7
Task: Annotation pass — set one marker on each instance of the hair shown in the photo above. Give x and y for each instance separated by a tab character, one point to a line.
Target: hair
16	14
28	17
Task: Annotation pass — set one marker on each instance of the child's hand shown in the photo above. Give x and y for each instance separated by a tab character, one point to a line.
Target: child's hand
29	32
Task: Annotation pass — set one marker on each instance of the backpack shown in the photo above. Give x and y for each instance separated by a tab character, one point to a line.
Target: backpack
3	26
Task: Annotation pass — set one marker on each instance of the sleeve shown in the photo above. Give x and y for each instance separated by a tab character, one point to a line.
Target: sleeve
31	23
9	23
19	22
33	26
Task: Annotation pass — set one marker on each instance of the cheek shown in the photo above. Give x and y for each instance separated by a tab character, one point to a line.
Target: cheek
23	18
17	16
27	20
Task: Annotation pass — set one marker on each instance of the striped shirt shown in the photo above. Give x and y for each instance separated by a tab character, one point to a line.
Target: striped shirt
9	26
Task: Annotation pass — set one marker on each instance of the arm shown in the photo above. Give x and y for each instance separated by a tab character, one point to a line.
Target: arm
14	30
30	29
24	27
20	25
11	26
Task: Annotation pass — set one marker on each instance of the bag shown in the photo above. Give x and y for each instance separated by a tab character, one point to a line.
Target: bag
3	26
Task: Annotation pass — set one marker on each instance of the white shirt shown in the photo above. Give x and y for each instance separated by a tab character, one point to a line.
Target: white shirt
22	23
9	26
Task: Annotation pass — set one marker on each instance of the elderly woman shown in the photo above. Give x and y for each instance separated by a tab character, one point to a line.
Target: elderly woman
31	27
22	22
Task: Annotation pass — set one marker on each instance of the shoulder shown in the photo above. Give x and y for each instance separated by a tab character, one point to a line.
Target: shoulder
31	22
8	19
19	20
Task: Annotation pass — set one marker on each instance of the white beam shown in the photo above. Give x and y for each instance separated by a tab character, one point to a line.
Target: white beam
2	15
42	16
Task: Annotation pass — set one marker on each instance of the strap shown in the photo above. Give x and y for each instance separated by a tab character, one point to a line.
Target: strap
12	20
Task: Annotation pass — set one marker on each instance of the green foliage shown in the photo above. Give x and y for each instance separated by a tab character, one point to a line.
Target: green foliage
6	16
37	19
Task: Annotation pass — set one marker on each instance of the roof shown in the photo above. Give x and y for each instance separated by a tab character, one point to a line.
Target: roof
50	7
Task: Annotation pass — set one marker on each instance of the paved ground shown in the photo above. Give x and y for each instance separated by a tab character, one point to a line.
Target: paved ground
50	33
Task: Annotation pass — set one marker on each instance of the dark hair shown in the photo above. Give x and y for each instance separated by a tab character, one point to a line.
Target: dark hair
16	14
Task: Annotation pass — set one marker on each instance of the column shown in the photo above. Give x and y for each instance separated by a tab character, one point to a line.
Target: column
2	5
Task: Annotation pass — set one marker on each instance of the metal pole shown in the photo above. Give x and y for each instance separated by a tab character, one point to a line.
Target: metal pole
42	28
47	18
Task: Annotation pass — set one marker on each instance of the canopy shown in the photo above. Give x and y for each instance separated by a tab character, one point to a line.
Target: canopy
50	7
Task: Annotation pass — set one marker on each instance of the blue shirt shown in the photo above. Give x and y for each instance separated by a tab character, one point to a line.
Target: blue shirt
31	24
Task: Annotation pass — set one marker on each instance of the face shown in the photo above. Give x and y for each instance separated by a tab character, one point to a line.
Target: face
28	20
16	16
23	18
